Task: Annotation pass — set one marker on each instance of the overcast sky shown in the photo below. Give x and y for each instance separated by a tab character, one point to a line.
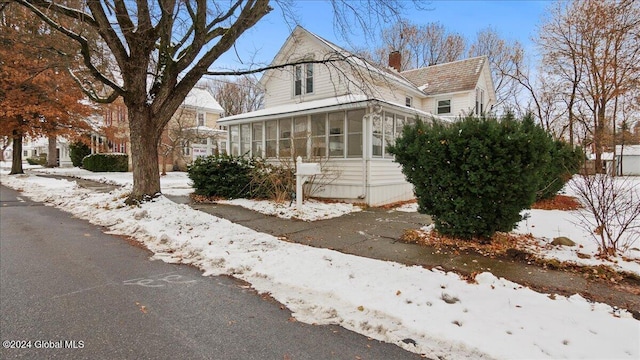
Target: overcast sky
513	20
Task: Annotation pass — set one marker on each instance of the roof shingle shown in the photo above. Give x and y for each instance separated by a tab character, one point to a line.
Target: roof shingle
451	77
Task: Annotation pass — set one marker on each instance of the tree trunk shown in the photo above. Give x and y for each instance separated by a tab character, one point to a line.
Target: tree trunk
598	135
52	157
5	144
16	162
144	154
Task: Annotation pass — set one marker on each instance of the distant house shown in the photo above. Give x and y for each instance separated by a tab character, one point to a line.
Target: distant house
345	114
192	131
628	160
33	148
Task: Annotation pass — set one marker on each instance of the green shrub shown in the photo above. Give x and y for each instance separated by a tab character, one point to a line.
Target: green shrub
77	151
106	162
565	162
38	160
222	175
476	175
232	177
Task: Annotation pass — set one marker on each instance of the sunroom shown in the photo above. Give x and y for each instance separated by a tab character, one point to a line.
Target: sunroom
347	135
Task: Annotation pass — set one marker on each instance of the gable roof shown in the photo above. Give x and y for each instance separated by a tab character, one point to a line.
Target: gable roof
450	77
201	99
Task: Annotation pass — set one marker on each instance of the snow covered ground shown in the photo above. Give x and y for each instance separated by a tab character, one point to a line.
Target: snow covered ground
424	311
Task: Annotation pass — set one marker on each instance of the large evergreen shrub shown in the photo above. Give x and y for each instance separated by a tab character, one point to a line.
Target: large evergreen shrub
106	162
476	175
77	151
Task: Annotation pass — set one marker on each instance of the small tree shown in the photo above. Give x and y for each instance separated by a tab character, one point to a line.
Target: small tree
474	176
613	211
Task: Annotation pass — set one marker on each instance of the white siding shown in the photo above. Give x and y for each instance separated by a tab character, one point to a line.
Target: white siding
461	103
386	183
327	80
344	180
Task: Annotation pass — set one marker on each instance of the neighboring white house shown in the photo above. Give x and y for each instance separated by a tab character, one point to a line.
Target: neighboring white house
345	113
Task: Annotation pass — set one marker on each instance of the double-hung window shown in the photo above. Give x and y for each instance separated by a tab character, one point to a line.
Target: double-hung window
303	79
200	119
444	106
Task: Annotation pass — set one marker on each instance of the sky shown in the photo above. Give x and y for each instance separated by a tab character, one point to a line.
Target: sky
446	316
513	20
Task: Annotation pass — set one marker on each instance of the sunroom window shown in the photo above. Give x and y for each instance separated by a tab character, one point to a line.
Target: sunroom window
336	134
389	137
271	138
318	135
234	142
285	138
256	135
376	141
354	139
300	136
245	139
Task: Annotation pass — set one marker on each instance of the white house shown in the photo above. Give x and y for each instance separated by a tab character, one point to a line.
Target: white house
344	112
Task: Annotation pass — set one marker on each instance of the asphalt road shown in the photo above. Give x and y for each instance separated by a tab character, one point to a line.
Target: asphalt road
69	291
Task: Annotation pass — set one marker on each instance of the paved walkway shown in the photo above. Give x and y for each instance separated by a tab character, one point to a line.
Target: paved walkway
374	233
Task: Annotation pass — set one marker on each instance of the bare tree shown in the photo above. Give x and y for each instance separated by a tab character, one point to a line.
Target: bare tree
420	46
162	49
560	42
594	45
435	45
237	96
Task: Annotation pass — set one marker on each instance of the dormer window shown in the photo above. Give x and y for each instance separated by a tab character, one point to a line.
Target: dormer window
303	80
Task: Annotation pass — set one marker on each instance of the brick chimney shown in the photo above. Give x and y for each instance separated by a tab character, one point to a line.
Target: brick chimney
395	60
